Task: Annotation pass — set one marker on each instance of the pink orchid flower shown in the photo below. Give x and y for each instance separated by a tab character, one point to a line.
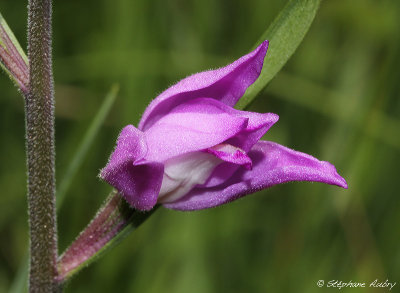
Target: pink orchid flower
193	150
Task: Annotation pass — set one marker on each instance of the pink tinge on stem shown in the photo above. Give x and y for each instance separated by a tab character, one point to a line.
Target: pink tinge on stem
13	61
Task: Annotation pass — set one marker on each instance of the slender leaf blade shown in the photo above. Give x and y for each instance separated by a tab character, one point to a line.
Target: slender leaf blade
285	35
87	141
13	59
13	39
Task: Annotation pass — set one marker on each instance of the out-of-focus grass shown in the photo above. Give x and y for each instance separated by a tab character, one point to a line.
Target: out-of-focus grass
337	98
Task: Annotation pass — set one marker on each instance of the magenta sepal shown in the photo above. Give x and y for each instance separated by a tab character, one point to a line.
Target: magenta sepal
193	150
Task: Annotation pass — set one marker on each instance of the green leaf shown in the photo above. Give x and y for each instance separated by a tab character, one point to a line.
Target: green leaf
285	35
13	59
86	143
15	42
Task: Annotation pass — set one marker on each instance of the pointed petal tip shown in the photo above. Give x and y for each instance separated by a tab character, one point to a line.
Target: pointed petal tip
272	164
262	48
335	179
265	44
261	51
342	182
274	117
226	84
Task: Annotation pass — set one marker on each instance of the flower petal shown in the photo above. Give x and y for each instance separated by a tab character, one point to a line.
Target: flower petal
193	126
272	164
138	181
183	172
226	84
231	154
257	126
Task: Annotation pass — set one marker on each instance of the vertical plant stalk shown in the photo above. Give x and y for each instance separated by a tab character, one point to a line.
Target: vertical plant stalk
39	109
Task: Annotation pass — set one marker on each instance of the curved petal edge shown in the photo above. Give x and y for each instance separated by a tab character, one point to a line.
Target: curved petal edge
138	181
226	84
272	164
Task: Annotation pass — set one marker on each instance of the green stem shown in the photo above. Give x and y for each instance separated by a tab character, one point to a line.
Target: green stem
39	109
113	222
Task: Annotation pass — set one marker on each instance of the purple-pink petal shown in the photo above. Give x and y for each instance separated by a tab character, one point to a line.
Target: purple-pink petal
193	126
193	150
231	154
257	126
131	146
137	180
272	164
226	84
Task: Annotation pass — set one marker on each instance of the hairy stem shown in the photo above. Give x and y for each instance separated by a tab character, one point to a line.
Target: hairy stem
39	109
112	223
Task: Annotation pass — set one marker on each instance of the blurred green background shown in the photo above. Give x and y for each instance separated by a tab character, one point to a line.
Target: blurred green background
337	98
